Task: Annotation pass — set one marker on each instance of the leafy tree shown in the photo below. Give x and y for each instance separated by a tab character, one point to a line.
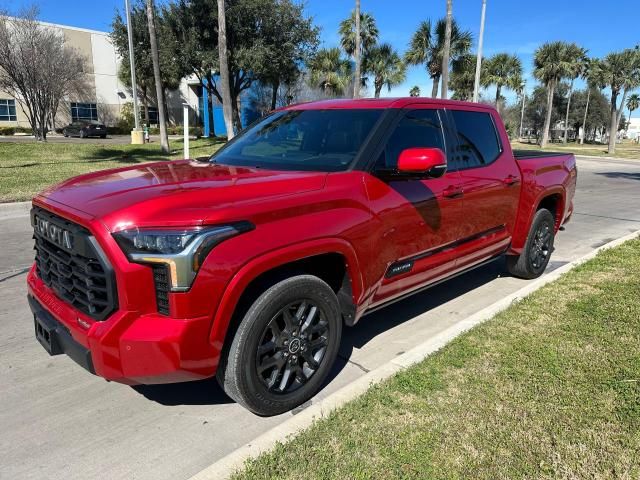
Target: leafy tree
427	47
415	91
619	72
577	57
502	70
633	103
597	113
552	63
463	74
170	72
330	72
291	39
37	68
536	109
194	27
386	66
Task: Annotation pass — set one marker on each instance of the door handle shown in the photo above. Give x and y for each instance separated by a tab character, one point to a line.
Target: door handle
453	192
510	180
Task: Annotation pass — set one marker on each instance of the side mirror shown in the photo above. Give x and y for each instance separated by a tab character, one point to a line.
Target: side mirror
431	162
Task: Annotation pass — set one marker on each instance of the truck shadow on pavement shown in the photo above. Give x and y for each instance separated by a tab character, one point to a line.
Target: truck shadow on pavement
622	175
203	392
208	392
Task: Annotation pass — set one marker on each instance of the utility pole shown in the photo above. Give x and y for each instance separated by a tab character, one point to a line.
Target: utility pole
227	108
136	135
358	59
524	96
476	85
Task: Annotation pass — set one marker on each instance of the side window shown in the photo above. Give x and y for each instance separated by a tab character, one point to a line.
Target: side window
478	139
417	129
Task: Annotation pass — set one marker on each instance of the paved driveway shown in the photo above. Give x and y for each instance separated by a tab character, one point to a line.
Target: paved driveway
59	422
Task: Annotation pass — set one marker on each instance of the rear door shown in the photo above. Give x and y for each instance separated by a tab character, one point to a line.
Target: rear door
420	216
490	182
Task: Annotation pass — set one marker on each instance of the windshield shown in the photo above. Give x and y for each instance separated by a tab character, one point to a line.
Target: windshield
320	140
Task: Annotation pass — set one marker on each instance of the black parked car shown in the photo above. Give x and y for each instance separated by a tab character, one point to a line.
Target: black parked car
85	129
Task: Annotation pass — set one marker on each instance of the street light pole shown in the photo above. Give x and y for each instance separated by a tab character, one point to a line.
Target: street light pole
132	63
476	85
524	96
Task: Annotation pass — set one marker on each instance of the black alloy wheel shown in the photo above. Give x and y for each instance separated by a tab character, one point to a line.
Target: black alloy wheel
284	346
292	347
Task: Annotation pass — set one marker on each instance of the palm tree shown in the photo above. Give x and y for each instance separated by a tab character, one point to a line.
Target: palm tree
386	67
502	70
446	51
225	89
349	40
594	77
415	91
633	80
578	61
162	118
551	65
368	33
617	70
427	45
463	77
633	103
330	71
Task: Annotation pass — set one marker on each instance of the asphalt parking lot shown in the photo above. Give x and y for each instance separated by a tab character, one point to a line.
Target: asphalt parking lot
59	422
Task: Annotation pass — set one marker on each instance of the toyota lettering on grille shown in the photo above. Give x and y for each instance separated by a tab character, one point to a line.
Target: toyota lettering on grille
54	233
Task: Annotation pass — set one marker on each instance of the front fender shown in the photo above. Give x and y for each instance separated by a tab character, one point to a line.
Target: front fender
273	259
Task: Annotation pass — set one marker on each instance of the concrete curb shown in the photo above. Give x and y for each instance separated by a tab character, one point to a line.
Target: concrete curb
595	157
14	210
226	466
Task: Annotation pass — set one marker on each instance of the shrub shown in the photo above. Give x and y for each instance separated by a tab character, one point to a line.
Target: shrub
7	131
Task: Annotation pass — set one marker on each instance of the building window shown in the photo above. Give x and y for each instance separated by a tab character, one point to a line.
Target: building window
84	112
153	115
8	110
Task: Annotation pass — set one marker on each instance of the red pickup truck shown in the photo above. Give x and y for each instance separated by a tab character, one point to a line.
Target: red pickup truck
246	266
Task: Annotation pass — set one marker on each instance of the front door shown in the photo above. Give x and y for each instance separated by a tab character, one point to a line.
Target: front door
420	217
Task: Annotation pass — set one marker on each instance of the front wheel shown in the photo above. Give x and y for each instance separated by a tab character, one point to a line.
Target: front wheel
535	256
284	347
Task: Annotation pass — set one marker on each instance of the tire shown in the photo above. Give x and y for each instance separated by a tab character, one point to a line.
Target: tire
535	256
103	136
82	134
256	380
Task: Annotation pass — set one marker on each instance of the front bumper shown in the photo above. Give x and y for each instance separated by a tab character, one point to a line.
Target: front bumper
127	347
56	338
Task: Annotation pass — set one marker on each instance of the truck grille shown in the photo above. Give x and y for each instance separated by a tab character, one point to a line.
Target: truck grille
71	263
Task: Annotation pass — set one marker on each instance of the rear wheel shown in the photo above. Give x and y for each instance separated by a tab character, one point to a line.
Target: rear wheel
284	347
535	256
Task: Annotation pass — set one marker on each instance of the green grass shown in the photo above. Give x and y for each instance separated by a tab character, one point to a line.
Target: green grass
27	168
628	149
549	388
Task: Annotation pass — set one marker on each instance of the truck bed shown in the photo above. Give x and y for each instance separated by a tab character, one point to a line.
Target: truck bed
524	154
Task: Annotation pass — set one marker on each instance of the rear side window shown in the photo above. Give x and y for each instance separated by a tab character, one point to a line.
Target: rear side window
478	139
417	129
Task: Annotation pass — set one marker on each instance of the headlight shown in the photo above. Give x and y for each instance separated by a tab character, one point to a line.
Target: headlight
182	250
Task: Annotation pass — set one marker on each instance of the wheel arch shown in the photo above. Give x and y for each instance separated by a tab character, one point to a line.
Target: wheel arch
332	260
552	198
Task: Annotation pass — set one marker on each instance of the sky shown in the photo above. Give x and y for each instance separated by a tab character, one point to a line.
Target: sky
511	26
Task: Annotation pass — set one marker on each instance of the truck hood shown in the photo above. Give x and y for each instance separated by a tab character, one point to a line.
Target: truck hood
177	193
